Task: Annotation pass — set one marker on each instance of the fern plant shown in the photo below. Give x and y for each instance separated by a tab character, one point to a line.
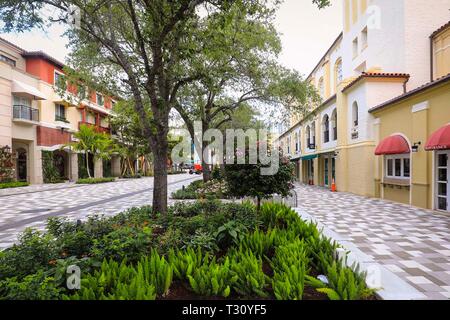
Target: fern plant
213	279
115	281
290	265
247	268
184	262
258	242
347	283
158	271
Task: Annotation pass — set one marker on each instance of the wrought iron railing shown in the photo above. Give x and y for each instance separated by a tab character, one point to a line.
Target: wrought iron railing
61	118
25	112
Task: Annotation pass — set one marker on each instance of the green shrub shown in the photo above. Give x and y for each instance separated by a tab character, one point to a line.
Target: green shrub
290	267
213	279
76	239
189	192
250	278
125	242
32	287
229	233
95	180
133	217
34	252
49	170
13	184
216	174
172	238
202	239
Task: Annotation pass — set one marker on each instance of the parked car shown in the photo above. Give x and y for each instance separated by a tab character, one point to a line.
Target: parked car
197	169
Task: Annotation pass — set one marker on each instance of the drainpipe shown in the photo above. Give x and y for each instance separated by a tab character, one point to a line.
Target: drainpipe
431	59
404	85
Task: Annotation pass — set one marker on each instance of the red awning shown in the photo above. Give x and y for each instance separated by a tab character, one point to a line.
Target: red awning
394	144
440	140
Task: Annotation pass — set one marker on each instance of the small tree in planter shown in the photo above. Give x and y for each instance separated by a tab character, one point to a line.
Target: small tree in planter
246	180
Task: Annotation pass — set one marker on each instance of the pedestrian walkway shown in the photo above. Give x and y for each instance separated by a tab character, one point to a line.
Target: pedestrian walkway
412	243
31	206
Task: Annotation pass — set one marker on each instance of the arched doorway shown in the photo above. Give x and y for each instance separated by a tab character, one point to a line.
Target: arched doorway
21	164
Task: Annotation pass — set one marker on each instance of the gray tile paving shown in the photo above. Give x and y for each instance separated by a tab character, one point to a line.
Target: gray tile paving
31	206
412	243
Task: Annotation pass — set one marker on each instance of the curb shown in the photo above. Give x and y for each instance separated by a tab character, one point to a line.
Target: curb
393	287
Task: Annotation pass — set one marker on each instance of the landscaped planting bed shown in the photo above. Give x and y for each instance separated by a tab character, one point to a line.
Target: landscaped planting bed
202	250
213	189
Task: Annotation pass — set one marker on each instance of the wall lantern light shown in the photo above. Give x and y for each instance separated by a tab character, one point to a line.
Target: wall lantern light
415	147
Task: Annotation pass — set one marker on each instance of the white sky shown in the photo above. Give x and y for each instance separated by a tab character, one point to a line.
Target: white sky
307	33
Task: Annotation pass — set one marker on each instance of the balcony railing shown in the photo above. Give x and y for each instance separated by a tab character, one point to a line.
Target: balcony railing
61	118
25	113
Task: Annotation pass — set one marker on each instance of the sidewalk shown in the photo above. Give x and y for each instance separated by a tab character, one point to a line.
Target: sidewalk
411	243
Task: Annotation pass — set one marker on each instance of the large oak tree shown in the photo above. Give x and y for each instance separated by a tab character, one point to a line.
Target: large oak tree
147	49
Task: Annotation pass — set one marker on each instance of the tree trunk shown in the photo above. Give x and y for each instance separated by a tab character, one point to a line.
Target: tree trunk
160	175
258	206
205	166
87	164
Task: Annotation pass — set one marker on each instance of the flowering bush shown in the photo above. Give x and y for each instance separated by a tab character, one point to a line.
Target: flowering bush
6	164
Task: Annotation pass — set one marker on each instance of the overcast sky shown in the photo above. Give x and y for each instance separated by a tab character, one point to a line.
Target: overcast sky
306	34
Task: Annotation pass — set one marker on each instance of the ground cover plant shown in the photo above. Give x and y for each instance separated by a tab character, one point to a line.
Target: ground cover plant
200	250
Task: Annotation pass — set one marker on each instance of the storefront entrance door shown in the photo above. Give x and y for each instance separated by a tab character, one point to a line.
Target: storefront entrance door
442	180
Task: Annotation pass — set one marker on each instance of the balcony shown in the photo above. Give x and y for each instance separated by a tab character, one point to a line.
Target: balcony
25	114
97	128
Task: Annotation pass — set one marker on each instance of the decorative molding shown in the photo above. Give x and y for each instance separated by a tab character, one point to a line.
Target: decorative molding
420	107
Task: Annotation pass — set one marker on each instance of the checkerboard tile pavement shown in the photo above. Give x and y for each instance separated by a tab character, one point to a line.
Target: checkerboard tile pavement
31	206
411	242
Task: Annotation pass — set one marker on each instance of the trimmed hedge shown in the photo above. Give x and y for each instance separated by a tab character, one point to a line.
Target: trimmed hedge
13	184
95	180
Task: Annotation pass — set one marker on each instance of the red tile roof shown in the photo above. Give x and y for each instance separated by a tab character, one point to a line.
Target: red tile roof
445	26
408	94
375	75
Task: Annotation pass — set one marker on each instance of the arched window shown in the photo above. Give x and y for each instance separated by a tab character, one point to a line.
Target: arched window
355	114
326	128
334	124
321	87
313	136
338	71
296	142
